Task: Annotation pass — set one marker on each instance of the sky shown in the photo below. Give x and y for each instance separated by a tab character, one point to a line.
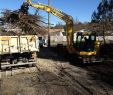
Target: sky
78	9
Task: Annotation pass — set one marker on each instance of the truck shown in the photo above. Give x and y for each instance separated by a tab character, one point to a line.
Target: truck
18	50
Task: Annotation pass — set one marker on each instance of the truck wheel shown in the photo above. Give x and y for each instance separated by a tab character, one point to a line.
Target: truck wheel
24	60
30	65
34	56
3	68
15	61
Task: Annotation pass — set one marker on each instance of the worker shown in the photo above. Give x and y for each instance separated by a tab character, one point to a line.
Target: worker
87	44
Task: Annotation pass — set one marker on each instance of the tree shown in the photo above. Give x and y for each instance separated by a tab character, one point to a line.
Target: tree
59	25
111	13
95	17
29	23
103	16
5	14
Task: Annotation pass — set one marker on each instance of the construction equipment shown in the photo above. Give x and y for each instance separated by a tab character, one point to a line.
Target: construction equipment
71	46
18	50
87	46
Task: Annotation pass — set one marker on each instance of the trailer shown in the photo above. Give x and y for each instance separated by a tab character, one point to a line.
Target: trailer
18	50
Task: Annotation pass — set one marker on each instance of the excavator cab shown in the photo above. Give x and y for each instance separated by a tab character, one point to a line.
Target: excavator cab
85	41
86	45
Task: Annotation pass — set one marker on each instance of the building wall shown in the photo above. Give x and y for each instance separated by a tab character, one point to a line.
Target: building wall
109	39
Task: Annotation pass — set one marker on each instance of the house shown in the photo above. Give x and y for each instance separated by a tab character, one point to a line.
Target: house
56	36
56	32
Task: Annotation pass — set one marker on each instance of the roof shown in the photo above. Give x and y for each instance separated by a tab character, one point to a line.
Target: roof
56	30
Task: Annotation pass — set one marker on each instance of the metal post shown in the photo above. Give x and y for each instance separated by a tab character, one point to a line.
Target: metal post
48	25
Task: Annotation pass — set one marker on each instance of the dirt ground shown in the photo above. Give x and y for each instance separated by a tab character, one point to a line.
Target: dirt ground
59	75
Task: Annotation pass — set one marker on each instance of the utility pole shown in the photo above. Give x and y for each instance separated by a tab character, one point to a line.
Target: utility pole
48	25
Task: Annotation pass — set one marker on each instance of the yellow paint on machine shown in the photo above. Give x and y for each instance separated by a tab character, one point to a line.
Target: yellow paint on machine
5	38
84	53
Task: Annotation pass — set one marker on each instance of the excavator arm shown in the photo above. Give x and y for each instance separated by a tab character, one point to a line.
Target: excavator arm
66	18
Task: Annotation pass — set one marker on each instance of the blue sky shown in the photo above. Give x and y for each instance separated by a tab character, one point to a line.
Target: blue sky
80	9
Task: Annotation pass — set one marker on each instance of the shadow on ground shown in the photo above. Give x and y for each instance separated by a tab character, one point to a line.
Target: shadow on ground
53	53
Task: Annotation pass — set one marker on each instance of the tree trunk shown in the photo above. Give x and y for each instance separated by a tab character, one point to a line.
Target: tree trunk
104	34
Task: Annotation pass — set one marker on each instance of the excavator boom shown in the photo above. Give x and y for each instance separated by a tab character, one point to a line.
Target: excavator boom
66	18
85	49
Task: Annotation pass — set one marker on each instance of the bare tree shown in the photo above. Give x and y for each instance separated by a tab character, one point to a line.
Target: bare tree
29	23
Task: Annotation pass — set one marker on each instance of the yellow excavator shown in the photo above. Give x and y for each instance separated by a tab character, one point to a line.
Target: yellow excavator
85	49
